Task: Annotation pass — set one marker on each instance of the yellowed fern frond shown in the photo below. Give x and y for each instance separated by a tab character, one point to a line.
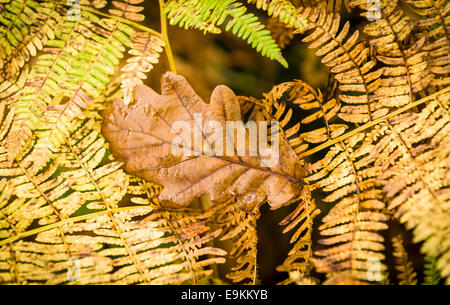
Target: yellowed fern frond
348	60
122	246
436	23
145	50
298	264
406	70
299	261
406	274
404	158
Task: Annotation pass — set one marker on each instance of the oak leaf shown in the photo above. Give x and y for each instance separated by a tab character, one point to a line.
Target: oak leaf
142	135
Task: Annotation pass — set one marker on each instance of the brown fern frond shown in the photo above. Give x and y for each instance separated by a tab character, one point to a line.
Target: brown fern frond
299	261
279	102
353	223
298	264
406	274
352	226
284	10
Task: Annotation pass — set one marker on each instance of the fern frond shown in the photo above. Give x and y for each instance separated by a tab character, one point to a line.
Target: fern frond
349	62
145	50
353	223
284	10
299	261
282	97
416	177
352	226
282	34
436	22
406	274
239	226
431	272
25	26
32	192
70	74
134	245
407	71
188	15
128	9
206	15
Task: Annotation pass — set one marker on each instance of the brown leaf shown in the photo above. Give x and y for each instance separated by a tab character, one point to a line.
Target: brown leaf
142	135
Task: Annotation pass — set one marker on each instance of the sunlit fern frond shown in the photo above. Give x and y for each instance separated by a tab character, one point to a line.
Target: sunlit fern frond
9	88
352	227
362	167
120	246
416	177
145	51
207	15
188	15
349	62
332	6
406	274
298	264
436	22
33	192
94	3
299	96
100	184
68	73
406	71
25	26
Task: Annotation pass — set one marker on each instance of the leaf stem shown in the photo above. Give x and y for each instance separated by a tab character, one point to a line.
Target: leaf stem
166	37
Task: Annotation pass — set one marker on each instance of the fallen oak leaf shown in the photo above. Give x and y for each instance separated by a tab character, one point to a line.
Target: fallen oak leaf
142	135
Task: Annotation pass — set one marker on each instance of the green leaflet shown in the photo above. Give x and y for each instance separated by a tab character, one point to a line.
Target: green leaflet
208	15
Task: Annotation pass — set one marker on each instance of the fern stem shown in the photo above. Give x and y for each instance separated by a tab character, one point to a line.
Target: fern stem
166	37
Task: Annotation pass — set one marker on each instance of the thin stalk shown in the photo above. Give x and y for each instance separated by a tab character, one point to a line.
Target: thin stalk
166	37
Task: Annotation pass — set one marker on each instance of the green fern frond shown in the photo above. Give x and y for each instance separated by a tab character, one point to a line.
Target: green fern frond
25	26
206	15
